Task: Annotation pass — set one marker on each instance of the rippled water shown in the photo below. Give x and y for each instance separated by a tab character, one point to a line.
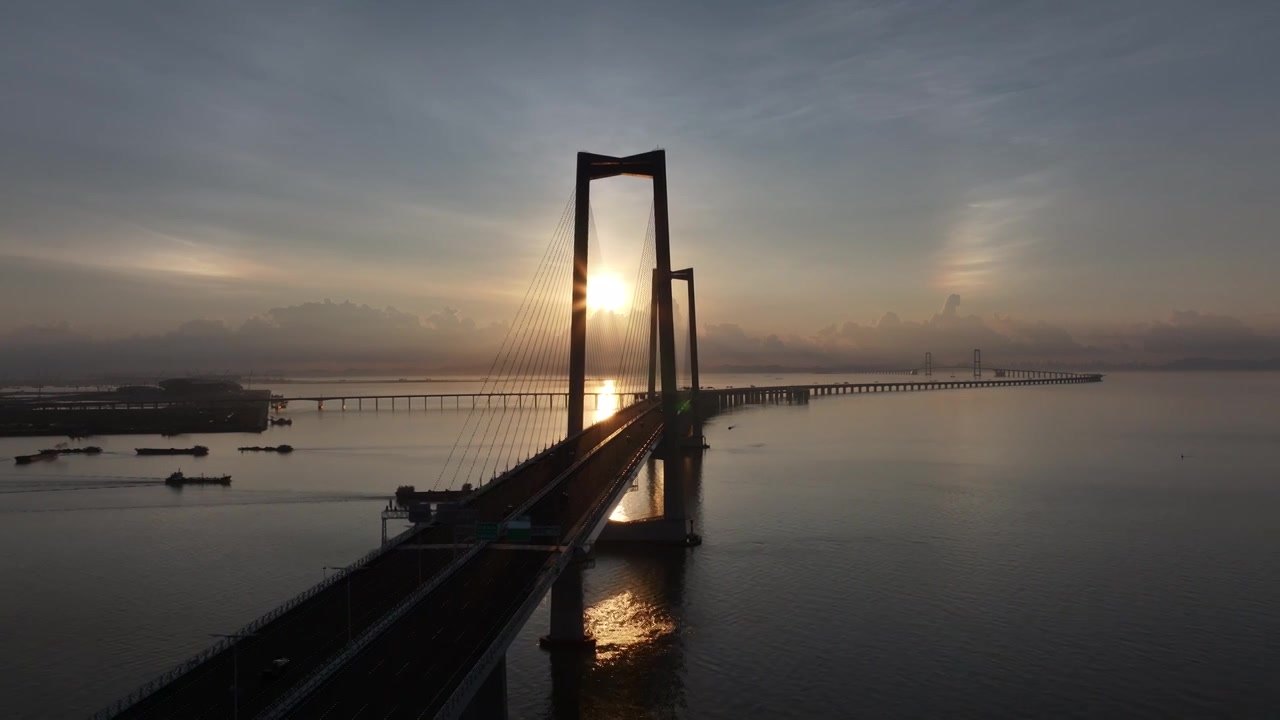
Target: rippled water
1060	550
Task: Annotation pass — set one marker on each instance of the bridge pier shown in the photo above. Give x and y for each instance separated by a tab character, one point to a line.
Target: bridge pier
568	619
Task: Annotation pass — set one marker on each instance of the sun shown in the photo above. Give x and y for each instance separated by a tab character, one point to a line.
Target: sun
606	292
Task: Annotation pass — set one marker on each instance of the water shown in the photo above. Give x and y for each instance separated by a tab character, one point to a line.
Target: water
985	553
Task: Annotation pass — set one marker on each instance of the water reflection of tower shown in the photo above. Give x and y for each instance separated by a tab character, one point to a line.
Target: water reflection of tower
637	618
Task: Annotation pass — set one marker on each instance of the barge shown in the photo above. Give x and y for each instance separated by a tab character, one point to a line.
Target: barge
178	479
198	451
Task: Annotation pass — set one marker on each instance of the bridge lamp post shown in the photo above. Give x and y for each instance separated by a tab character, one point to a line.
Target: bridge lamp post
351	571
235	668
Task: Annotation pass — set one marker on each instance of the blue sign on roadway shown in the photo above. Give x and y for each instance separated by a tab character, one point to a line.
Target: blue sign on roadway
518	529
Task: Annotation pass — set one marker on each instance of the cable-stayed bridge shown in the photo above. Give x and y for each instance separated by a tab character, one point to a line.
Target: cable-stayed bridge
420	626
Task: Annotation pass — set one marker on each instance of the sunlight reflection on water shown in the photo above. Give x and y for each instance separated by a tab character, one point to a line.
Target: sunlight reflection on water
623	623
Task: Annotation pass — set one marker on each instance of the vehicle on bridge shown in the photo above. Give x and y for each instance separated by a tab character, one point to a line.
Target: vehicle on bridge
275	669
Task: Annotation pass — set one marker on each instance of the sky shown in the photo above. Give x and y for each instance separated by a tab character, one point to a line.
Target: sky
1087	180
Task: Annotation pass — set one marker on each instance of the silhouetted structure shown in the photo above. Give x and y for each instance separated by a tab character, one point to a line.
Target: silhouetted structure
179	405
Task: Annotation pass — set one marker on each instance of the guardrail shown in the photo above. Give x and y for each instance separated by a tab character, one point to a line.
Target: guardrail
481	490
596	515
466	690
478	672
283	704
318	676
190	664
186	666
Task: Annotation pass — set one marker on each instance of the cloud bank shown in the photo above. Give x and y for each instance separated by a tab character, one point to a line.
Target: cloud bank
326	337
951	336
311	337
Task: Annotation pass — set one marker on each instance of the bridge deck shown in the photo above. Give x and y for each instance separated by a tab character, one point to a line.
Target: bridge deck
414	667
315	630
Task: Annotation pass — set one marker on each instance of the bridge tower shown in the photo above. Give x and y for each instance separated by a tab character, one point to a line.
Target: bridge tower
977	362
596	167
567	622
928	364
688	423
680	429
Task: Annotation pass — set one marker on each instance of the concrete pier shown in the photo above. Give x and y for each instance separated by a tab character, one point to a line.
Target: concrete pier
568	621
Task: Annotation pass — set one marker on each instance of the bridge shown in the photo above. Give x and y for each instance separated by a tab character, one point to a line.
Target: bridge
420	626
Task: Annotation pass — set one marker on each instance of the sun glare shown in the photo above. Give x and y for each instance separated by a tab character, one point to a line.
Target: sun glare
606	292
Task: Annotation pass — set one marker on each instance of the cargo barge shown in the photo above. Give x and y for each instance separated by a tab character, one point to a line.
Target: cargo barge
178	479
267	448
198	451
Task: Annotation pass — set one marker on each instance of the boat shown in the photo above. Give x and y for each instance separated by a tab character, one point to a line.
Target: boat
42	455
281	421
87	450
267	448
198	451
177	479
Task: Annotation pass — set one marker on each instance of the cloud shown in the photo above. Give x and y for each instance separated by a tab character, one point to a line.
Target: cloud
1004	340
338	336
317	336
1192	334
51	335
822	154
892	341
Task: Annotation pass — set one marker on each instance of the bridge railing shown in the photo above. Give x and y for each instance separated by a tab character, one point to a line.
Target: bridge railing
470	684
591	517
186	666
479	670
481	490
203	656
318	676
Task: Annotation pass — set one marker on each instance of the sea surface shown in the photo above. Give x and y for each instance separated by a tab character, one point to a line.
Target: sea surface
1102	550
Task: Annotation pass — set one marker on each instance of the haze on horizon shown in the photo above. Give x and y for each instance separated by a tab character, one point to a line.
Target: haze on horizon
855	182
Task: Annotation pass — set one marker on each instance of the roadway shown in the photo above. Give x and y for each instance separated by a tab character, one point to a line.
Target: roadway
415	665
317	629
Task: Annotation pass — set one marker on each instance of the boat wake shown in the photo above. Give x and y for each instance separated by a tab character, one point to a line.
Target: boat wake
315	500
64	484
